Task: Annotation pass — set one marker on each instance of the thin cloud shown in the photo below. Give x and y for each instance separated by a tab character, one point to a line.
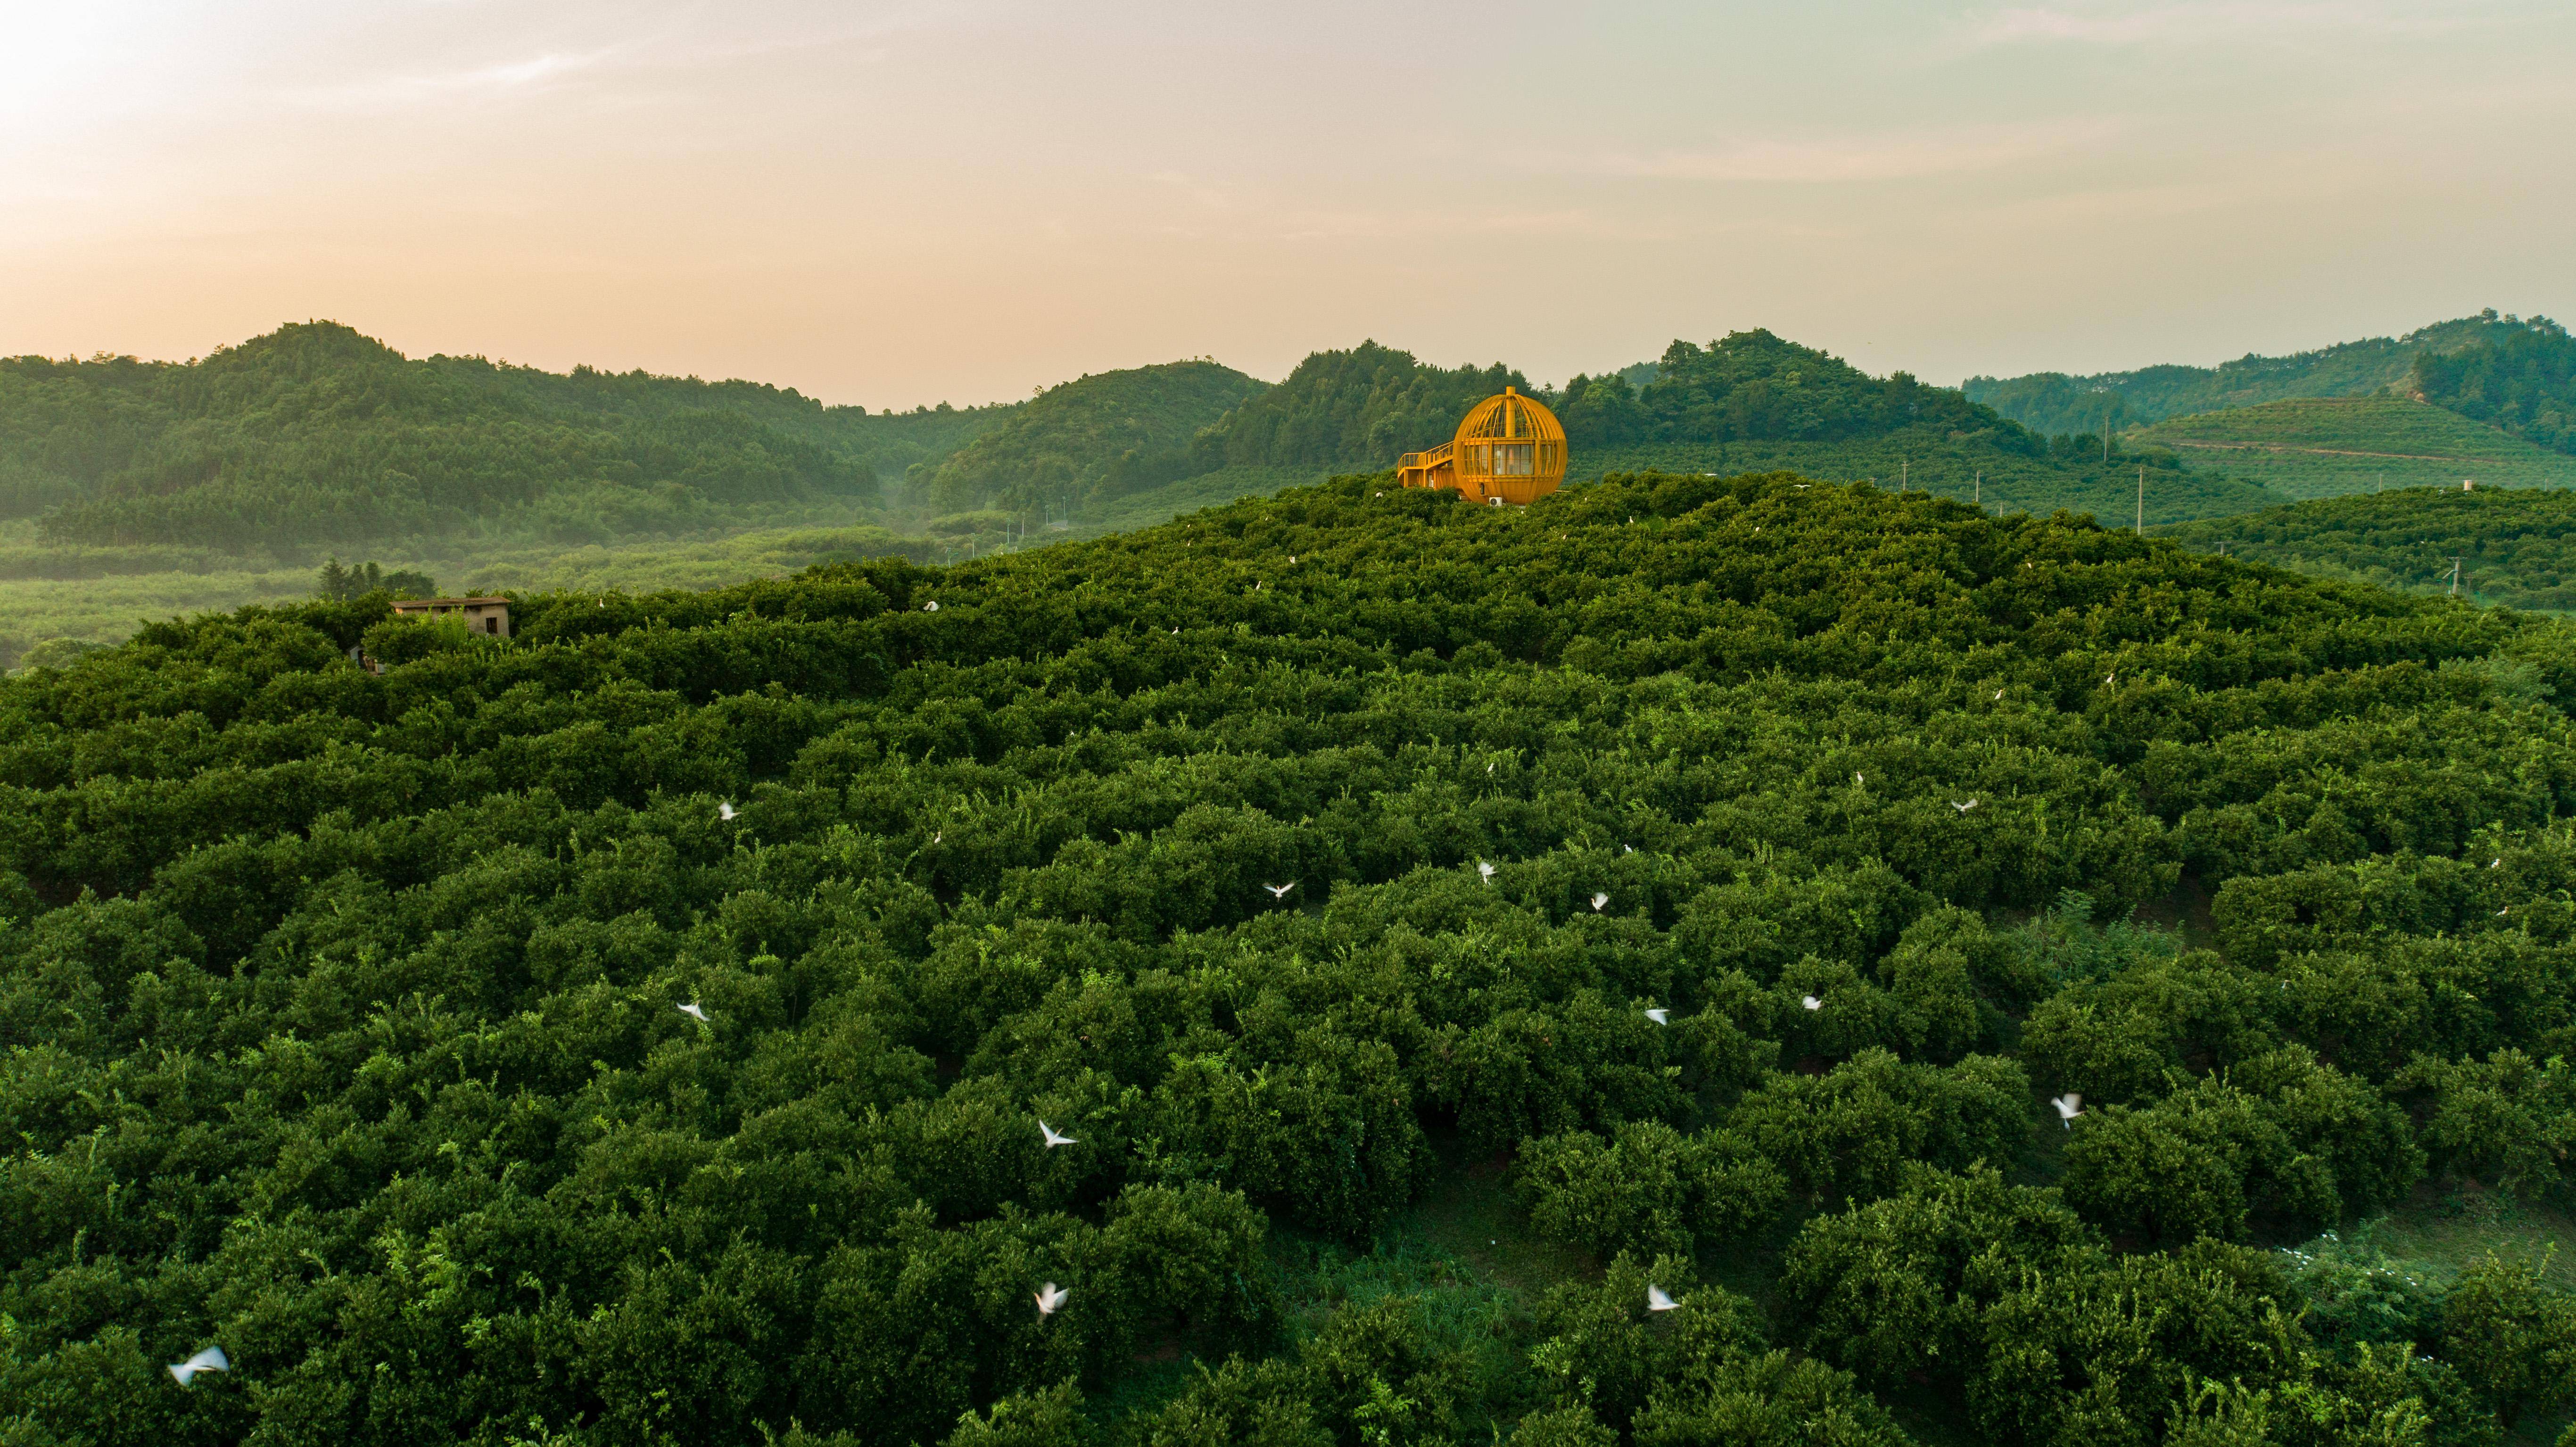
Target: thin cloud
1857	158
534	75
2196	21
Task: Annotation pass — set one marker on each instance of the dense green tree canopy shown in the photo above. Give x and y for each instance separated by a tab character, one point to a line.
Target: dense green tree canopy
1307	862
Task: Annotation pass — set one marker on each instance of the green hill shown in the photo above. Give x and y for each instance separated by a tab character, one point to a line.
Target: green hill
1321	972
316	436
2327	448
1756	387
2054	402
1360	408
2515	547
2523	382
1095	439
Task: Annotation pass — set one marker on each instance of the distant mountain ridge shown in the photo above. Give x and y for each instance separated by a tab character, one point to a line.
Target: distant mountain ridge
315	434
2055	402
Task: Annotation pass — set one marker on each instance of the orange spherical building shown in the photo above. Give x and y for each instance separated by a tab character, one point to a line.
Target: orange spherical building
1511	449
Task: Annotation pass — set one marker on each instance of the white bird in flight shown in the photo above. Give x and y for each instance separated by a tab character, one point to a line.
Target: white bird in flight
1660	1015
1599	900
1051	1299
2069	1106
212	1359
695	1011
1856	776
1054	1137
1963	808
1280	891
1811	1002
1631	848
1657	1299
724	811
930	607
1484	871
1999	695
2497	863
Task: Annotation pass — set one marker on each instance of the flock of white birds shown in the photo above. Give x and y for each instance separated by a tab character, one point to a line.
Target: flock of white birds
1051	1297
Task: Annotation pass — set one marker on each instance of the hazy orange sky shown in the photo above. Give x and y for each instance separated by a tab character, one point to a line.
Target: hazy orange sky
891	204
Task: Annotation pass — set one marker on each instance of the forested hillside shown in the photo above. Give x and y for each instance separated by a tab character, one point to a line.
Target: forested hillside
2515	547
1095	439
1753	386
1370	955
314	435
2329	447
1752	402
2523	381
2054	402
1360	408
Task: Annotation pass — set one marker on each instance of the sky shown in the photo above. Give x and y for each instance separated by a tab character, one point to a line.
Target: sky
895	204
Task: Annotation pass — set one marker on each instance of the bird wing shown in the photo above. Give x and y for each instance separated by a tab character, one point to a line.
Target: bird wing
1657	1299
1658	1015
1811	1002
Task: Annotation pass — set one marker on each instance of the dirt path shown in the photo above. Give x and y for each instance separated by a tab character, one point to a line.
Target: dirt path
2332	452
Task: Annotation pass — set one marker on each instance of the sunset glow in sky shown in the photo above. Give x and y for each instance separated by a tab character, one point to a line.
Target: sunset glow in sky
897	203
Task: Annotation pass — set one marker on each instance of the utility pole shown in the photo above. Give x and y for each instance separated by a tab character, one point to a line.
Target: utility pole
2106	434
1980	495
2455	577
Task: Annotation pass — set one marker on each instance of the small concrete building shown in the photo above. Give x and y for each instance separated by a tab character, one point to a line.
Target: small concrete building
481	615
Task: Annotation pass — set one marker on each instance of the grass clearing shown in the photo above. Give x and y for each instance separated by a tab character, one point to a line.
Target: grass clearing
2449	1229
